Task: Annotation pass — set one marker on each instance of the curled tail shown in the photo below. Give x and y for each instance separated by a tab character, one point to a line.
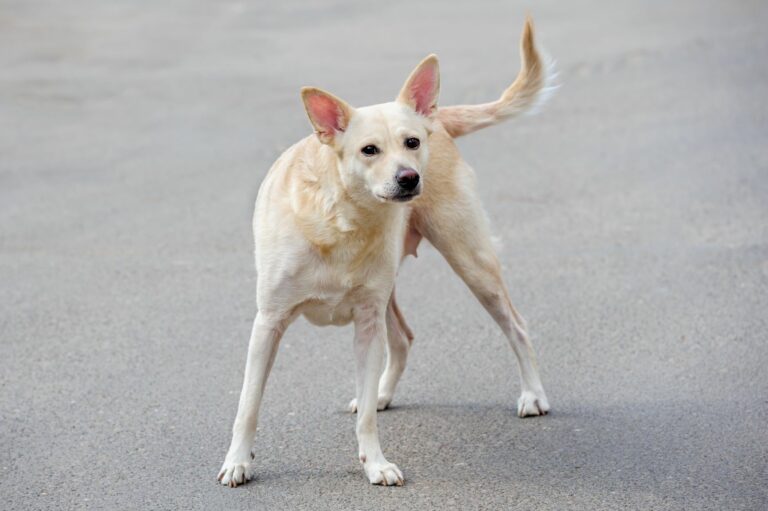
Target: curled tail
530	88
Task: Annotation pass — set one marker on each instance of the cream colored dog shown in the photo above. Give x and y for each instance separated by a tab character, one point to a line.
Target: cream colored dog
337	213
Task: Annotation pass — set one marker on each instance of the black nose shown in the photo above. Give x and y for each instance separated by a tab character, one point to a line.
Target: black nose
408	179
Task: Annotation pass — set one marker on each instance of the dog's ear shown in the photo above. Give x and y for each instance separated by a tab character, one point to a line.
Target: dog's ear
328	114
422	87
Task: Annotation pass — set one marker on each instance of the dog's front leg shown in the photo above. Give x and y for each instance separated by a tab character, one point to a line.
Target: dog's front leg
370	336
262	348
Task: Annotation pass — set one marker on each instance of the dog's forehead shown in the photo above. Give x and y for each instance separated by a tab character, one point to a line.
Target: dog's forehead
389	116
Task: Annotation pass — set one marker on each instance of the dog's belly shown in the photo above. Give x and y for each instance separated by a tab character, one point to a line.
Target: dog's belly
323	313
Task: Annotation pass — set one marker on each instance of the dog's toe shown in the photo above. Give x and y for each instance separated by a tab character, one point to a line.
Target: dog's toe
382	404
384	473
531	404
233	474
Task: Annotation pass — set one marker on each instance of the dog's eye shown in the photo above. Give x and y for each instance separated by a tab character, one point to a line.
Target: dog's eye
412	143
370	150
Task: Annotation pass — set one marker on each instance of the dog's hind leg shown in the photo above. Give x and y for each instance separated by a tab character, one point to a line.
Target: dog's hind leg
454	222
262	349
399	340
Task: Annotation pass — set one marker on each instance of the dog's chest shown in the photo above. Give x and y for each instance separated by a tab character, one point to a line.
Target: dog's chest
324	312
348	278
334	297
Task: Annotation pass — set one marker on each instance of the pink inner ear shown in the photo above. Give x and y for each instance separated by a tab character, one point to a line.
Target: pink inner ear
325	112
422	89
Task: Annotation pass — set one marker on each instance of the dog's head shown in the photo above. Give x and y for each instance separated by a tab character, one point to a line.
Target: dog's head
382	149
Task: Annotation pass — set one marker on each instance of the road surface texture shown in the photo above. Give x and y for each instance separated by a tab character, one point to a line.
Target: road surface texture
633	211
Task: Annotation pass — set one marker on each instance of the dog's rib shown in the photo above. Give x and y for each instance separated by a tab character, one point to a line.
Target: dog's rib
531	87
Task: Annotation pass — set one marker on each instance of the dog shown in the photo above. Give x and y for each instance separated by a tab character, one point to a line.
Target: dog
339	211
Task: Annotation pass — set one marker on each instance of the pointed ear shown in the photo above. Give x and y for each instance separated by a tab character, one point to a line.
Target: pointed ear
422	87
327	113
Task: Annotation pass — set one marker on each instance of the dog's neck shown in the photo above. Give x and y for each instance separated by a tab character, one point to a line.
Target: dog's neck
329	214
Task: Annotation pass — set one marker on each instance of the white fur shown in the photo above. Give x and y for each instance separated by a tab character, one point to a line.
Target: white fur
332	225
551	85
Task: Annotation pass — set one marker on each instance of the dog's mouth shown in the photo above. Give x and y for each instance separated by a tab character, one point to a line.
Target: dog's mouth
401	197
406	196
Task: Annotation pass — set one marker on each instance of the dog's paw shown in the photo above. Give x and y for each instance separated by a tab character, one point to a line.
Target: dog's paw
383	473
382	404
532	403
235	472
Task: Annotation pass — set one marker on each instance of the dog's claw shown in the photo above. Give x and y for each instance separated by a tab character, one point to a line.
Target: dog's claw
234	473
382	404
532	404
384	473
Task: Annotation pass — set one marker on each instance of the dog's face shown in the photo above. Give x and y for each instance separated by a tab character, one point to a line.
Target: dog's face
384	152
382	149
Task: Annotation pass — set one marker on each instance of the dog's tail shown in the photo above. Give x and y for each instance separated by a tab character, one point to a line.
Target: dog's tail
531	88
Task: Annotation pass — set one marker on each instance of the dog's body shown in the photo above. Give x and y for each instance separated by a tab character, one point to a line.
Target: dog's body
334	218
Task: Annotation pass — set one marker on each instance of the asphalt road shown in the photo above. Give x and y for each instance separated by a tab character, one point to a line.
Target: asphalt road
633	209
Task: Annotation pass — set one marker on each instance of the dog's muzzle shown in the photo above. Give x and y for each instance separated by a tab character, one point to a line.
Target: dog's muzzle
408	179
408	182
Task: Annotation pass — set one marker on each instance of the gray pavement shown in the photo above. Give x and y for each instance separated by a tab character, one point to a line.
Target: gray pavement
633	209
